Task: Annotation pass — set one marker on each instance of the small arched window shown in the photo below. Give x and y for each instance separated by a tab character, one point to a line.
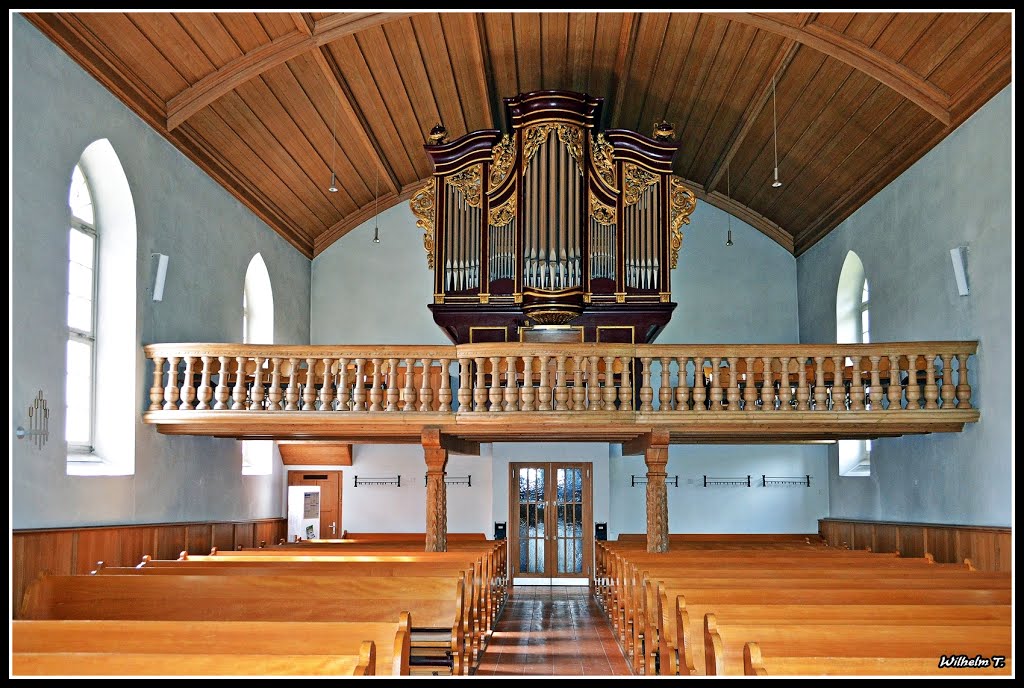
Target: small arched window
257	328
853	326
83	266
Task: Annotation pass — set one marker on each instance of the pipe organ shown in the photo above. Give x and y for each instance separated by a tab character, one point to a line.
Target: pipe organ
553	230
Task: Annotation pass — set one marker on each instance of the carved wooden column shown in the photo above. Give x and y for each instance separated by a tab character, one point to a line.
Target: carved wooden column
654	447
656	458
436	457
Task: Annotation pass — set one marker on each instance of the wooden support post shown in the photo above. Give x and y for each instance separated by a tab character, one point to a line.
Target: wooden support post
436	457
654	446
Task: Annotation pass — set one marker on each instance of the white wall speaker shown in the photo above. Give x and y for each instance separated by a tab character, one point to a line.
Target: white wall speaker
161	276
959	256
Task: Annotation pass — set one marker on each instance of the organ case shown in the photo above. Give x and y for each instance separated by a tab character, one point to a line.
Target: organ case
554	225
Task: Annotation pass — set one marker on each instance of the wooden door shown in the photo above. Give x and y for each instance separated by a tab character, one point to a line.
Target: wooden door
550	518
329	483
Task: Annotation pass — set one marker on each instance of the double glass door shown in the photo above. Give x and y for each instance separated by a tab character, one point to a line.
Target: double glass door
552	532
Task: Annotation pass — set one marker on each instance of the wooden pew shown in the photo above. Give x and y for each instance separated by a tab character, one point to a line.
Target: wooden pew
391	639
435	603
724	643
75	664
756	664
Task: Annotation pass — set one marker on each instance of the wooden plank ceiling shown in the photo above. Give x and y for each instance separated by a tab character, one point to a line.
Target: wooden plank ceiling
268	103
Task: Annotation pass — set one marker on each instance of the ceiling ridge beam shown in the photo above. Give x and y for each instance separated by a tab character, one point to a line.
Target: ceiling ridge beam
874	64
253	63
495	103
739	135
620	68
358	217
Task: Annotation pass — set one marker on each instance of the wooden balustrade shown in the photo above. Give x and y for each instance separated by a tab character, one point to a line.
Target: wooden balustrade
636	382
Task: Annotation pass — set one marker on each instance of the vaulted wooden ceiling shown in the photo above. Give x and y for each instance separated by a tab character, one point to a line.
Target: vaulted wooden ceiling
269	102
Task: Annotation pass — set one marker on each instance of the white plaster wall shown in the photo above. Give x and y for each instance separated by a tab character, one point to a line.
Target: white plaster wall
56	111
959	194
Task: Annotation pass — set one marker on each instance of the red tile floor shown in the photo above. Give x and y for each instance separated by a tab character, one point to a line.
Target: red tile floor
552	631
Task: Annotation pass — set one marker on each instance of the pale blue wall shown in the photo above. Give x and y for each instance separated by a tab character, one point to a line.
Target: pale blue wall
959	194
57	110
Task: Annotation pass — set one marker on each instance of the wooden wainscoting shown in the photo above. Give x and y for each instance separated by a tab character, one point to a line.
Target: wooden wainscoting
76	550
988	547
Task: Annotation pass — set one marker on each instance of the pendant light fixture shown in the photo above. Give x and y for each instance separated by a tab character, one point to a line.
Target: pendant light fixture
333	188
775	137
376	187
728	215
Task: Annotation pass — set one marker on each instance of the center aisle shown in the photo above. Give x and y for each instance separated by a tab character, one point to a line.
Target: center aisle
552	631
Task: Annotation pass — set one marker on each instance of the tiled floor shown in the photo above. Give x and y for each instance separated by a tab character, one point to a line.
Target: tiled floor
552	631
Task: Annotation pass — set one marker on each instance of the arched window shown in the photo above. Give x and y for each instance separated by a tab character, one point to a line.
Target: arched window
103	335
257	328
853	325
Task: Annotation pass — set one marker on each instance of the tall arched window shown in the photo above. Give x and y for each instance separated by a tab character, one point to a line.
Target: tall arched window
853	325
257	328
83	259
103	339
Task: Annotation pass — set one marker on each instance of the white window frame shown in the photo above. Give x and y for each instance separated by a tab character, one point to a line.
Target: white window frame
78	451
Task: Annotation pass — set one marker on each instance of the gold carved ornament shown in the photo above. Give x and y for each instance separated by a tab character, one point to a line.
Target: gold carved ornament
422	204
469	182
682	203
603	214
636	181
501	164
601	155
570	136
504	213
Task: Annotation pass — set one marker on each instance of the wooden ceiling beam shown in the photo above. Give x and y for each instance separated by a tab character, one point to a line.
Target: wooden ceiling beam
494	101
739	135
878	66
619	82
250	65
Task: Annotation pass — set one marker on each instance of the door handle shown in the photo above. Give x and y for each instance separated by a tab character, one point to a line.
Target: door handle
333	528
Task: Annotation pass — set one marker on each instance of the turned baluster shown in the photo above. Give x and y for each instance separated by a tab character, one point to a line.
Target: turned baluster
496	394
609	383
239	392
392	385
205	392
544	388
359	386
646	391
444	394
665	390
803	392
931	390
409	392
785	391
188	390
700	391
561	391
716	383
291	394
309	391
947	393
480	388
527	393
342	385
895	394
767	385
156	392
171	390
626	387
963	388
426	392
465	393
326	387
820	390
578	400
749	385
838	384
376	393
275	385
856	387
222	393
874	397
511	384
595	398
732	393
682	386
258	393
